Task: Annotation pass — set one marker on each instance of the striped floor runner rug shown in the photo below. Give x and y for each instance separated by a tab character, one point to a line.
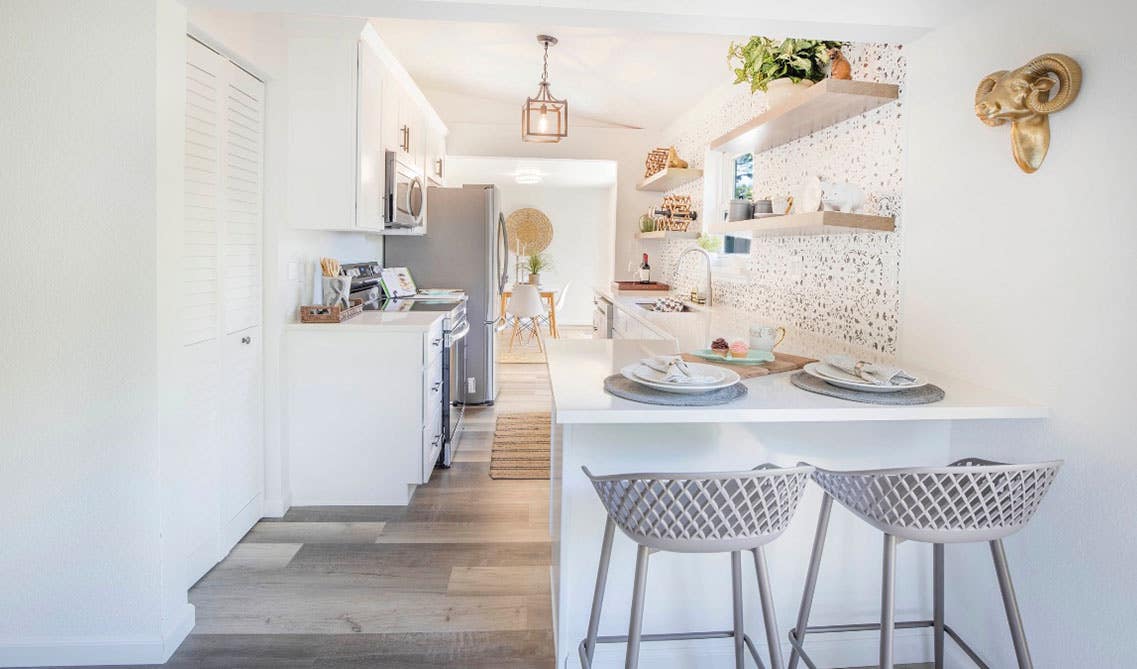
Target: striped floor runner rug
521	446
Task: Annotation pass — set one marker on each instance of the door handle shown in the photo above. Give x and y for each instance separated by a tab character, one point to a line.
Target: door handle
246	340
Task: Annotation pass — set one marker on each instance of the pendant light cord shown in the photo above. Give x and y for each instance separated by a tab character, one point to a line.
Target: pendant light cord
545	68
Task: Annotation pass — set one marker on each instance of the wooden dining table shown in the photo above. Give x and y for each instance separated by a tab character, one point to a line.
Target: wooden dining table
547	294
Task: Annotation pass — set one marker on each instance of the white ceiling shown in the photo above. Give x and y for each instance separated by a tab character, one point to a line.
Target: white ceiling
482	72
549	171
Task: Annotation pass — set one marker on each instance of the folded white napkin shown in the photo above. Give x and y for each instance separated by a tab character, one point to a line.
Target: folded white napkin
877	374
675	370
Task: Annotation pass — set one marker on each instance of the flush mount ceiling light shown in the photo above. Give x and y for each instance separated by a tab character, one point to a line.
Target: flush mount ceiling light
544	118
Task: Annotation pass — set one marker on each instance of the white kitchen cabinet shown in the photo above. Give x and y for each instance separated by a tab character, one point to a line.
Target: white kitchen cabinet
335	157
216	419
436	155
369	431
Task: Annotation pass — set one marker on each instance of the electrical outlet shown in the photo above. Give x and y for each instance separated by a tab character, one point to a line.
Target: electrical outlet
471	385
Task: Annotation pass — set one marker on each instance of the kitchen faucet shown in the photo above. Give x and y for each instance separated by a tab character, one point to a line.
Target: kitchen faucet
679	263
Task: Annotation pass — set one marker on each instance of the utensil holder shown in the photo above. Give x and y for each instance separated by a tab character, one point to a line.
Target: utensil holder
337	291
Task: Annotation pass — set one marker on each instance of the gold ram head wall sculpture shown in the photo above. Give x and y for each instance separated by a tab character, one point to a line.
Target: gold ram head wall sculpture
1023	97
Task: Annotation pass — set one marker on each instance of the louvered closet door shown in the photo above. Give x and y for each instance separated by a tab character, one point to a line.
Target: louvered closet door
220	378
199	358
242	163
242	443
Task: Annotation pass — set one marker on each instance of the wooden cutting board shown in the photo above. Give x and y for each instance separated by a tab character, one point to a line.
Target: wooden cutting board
783	362
636	285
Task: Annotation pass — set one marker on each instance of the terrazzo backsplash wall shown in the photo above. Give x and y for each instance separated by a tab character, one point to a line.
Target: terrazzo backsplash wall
843	286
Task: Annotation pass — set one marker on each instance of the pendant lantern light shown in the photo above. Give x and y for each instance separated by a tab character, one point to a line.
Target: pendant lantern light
544	118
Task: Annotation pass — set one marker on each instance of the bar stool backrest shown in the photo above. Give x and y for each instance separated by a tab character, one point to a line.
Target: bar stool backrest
969	500
708	512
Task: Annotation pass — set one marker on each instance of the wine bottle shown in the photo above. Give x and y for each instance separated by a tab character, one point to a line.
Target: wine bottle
645	271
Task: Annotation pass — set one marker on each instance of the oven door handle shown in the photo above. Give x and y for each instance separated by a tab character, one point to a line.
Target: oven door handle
460	333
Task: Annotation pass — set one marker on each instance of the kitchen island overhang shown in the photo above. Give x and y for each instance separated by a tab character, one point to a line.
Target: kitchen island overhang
777	423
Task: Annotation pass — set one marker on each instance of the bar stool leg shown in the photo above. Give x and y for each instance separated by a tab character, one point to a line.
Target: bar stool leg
1010	604
632	659
938	602
811	575
739	630
768	614
598	594
887	601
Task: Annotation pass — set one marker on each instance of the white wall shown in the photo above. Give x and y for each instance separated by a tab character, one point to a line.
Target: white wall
1027	283
91	176
258	42
627	147
582	221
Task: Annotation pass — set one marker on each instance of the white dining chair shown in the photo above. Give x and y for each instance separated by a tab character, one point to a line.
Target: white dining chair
559	307
527	309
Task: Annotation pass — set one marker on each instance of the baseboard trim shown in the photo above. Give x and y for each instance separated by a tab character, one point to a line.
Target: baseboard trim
276	507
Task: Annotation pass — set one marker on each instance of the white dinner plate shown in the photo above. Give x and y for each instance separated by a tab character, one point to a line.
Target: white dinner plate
649	377
842	379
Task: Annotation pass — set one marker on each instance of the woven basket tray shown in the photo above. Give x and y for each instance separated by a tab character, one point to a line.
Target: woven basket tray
318	313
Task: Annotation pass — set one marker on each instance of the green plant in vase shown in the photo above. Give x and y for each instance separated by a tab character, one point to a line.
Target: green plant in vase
710	243
537	263
777	67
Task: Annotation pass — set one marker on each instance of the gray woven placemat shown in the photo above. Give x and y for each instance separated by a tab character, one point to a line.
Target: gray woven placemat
620	386
922	395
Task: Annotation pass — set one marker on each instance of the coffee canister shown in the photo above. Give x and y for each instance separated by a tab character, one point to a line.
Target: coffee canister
740	210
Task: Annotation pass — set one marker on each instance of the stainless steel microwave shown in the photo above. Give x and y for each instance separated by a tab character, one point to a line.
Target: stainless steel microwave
406	194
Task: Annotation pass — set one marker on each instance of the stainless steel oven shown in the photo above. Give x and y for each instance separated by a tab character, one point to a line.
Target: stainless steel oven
453	388
406	194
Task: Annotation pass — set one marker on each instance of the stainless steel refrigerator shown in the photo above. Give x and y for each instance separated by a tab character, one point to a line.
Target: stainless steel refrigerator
465	246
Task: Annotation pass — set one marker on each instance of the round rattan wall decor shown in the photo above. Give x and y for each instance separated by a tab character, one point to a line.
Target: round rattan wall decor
529	231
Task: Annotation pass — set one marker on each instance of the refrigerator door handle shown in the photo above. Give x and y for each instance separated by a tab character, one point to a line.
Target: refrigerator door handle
502	269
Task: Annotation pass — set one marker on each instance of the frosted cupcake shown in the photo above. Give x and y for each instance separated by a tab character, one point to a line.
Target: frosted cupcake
739	349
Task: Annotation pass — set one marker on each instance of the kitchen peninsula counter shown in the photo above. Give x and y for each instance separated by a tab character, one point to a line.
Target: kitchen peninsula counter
776	422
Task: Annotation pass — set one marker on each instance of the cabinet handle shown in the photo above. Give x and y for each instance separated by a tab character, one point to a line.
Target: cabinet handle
438	168
406	145
246	340
435	342
435	387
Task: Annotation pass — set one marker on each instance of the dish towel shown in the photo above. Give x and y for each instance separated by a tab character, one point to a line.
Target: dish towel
877	374
675	370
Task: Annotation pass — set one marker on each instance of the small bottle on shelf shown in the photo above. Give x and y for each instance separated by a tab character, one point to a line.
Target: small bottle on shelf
645	271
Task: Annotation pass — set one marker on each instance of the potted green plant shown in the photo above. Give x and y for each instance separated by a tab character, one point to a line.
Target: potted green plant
710	243
537	263
779	67
647	223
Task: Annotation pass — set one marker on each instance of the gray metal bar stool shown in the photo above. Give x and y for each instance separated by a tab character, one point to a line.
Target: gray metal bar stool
719	512
971	500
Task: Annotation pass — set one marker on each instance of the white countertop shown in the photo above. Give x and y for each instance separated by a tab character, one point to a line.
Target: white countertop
391	321
577	369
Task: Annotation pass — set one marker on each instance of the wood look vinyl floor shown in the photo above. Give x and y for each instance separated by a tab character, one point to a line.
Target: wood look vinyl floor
459	578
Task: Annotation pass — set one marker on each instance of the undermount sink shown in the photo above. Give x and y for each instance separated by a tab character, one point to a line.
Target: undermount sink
650	306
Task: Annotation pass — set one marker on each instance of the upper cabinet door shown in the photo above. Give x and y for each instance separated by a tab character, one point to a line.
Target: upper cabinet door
436	157
390	120
370	185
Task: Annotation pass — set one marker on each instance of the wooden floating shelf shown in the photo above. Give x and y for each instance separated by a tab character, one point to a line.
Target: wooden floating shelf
667	234
817	222
669	177
823	104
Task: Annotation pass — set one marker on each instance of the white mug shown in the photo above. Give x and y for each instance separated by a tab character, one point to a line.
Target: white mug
766	337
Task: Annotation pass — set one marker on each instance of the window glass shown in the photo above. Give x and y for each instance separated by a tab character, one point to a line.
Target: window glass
743	189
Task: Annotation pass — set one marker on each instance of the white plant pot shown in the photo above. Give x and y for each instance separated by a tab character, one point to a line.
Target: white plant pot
534	279
780	91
